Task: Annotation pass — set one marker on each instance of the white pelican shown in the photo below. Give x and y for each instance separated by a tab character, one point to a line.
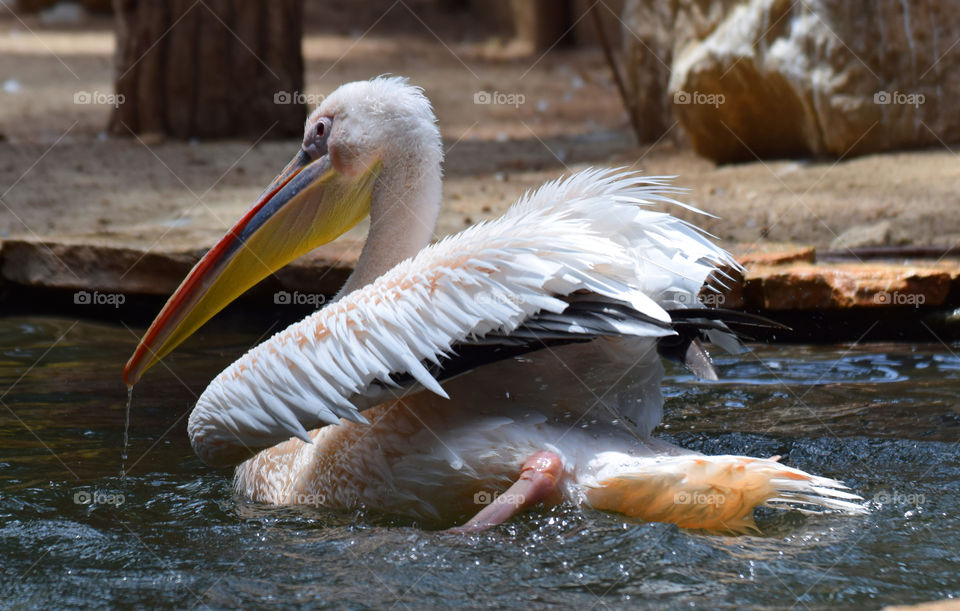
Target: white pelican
511	364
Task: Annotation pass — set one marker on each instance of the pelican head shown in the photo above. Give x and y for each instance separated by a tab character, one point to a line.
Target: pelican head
371	148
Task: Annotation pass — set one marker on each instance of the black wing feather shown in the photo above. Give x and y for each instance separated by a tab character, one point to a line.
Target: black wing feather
588	317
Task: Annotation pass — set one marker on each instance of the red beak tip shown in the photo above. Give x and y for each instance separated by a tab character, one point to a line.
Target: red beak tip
130	375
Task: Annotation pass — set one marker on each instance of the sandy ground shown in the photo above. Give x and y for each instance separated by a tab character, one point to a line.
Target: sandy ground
60	175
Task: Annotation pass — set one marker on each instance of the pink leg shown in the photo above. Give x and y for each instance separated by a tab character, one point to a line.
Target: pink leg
538	479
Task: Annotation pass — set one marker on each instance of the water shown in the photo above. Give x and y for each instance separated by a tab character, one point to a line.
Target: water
125	452
885	418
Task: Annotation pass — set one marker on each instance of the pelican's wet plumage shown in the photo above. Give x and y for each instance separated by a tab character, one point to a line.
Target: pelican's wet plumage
520	355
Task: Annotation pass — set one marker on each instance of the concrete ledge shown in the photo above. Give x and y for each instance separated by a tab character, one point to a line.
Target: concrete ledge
78	265
786	277
780	280
822	286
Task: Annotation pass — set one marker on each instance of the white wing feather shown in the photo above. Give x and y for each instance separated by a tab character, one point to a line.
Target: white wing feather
590	232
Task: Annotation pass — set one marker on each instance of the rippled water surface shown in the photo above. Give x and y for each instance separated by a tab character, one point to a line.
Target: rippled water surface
884	418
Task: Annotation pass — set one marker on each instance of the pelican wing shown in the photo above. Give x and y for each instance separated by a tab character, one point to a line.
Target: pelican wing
520	279
680	340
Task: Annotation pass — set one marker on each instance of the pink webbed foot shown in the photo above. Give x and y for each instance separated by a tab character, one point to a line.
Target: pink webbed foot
538	481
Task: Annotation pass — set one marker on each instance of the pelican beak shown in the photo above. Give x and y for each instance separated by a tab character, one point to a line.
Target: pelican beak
308	204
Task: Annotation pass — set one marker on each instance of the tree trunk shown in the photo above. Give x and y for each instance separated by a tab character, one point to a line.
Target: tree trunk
541	23
209	69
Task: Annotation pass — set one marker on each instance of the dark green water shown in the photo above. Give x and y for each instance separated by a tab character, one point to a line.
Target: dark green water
884	418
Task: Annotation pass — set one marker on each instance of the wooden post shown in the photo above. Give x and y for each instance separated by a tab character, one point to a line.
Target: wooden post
210	69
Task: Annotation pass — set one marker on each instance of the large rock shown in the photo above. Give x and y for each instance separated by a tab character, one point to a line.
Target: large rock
647	50
775	78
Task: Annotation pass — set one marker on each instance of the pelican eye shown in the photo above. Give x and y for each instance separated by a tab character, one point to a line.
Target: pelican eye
315	140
